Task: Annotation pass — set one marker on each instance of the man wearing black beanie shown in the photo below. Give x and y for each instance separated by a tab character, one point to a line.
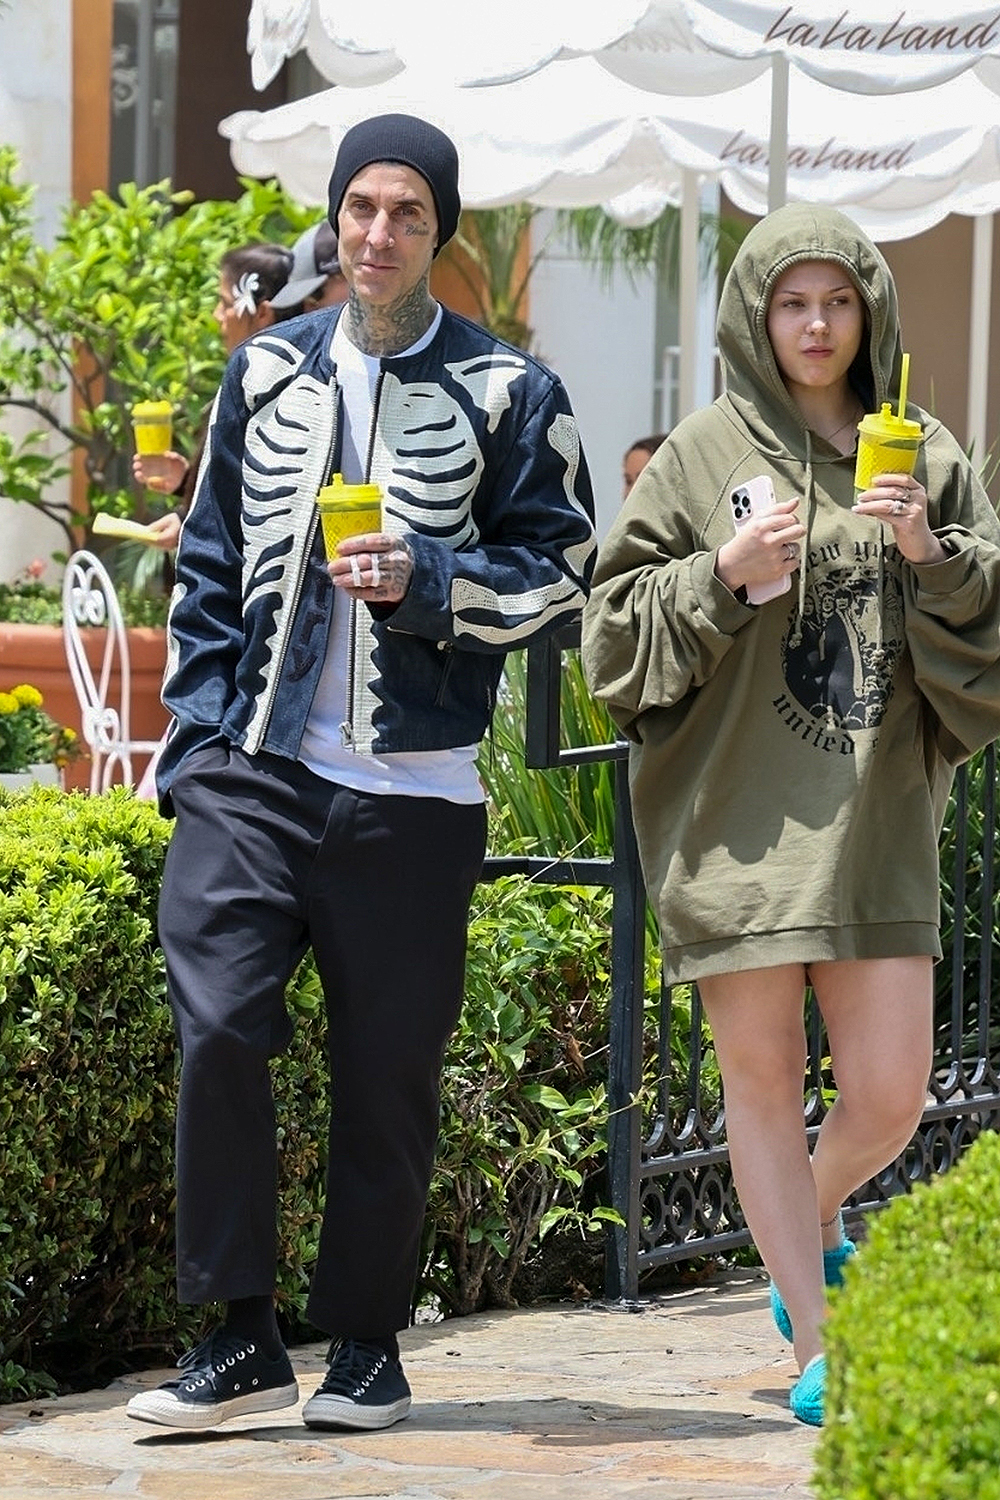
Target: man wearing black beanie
321	766
411	142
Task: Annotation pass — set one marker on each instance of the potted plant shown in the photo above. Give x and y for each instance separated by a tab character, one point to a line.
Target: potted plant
33	746
32	649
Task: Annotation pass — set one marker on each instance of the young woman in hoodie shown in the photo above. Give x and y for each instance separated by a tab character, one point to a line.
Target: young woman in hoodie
791	759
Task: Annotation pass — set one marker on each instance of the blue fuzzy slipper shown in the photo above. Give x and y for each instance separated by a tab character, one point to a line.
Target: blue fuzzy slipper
834	1262
806	1398
780	1314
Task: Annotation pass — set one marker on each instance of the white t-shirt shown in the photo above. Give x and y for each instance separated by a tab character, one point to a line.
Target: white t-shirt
450	774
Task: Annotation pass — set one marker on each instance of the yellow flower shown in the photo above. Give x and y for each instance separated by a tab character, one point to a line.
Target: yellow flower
28	735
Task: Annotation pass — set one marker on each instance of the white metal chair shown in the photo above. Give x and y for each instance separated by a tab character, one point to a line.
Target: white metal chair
90	604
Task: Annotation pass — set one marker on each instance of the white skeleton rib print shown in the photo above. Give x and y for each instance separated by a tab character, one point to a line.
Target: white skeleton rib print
289	440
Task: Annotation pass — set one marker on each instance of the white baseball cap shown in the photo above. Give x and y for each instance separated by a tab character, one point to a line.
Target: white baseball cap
314	258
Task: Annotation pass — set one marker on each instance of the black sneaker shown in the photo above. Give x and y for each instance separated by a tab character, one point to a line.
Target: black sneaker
364	1388
225	1376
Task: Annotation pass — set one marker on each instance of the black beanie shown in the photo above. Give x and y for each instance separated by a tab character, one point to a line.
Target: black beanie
416	144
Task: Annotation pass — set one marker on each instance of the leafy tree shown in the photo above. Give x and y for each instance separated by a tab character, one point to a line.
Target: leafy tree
497	266
118	310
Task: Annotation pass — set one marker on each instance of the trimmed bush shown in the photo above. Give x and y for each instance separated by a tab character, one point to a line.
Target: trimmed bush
86	1075
522	1140
88	1084
913	1347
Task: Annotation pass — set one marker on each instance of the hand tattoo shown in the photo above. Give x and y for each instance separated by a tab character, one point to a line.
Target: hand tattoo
381	577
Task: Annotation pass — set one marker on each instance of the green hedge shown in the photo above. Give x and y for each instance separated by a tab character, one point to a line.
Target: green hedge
86	1075
87	1087
913	1347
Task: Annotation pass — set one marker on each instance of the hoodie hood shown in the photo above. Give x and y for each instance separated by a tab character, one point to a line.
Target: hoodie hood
787	237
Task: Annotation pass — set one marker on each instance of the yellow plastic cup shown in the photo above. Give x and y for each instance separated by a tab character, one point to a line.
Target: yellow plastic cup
887	444
348	510
152	425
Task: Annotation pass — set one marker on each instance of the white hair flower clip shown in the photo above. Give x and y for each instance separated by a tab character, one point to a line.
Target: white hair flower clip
244	300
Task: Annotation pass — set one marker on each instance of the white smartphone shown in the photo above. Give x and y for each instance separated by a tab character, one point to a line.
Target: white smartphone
752	499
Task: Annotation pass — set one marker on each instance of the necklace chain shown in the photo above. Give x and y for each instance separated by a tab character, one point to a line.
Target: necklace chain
828	437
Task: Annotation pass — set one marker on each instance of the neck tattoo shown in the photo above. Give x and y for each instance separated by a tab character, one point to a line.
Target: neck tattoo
387	330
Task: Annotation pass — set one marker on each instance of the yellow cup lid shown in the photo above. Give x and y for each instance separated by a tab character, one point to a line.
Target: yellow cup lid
885	423
339	493
152	411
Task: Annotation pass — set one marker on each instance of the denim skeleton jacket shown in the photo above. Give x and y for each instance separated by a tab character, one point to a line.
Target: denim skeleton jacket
476	449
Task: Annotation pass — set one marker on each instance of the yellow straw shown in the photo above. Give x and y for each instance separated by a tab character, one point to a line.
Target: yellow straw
904	380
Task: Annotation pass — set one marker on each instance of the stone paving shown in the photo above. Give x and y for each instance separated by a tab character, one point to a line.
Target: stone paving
685	1398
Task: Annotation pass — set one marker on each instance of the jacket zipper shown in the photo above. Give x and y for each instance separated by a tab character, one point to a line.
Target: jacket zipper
347	737
296	596
447	648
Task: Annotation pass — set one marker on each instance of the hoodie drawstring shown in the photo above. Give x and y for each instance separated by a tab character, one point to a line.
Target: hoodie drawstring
795	639
879	651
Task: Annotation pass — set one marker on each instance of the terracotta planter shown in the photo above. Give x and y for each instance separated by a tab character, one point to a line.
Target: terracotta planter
35	654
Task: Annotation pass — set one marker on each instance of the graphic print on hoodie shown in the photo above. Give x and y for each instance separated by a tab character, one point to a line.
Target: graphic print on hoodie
840	657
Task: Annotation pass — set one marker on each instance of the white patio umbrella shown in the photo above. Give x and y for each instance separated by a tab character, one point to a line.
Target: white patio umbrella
668	46
876	48
865	49
574	135
356	43
675	46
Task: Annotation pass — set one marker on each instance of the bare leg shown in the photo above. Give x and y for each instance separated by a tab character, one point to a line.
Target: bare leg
758	1026
879	1021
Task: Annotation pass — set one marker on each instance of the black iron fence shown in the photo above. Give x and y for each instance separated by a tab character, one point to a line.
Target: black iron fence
668	1158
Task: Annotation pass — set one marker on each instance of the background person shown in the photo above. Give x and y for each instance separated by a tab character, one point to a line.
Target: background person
636	458
251	278
315	279
791	762
321	765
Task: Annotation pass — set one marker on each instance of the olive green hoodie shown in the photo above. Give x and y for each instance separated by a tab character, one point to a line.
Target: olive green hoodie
790	763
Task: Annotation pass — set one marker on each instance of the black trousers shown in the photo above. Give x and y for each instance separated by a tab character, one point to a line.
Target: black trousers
265	860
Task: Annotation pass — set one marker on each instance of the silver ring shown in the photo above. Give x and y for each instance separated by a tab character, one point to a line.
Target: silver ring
790	550
898	508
